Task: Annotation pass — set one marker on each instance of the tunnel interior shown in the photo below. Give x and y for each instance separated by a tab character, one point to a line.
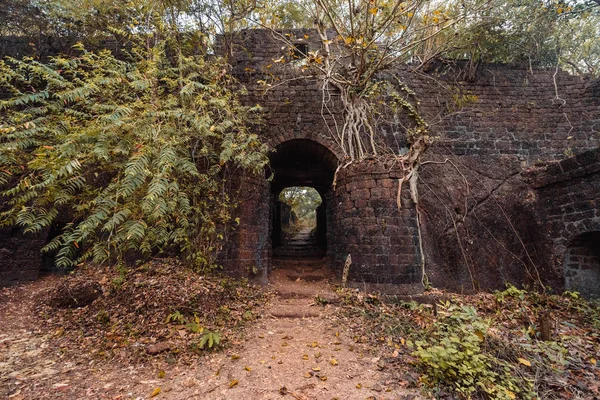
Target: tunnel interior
301	166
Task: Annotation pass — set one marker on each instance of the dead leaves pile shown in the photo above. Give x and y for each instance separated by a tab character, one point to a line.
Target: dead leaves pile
160	307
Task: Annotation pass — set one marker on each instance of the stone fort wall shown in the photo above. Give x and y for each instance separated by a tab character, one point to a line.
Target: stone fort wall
481	217
478	212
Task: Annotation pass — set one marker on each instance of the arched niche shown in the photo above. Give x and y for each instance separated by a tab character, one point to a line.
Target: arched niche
581	265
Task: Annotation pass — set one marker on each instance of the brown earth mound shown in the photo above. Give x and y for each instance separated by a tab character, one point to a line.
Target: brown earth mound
115	312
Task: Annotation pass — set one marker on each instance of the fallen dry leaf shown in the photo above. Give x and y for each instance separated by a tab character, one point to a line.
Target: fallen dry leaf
524	361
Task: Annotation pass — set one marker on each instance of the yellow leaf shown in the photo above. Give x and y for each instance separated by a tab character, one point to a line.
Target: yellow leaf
314	344
305	36
593	361
479	335
337	334
233	383
323	377
307	375
234	356
524	362
155	392
316	369
333	361
161	374
305	357
373	10
511	394
247	368
359	385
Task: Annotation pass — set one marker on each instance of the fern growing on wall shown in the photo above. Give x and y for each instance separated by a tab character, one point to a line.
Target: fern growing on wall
130	154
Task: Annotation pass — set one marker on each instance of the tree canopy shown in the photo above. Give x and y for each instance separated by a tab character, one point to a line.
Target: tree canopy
302	200
533	32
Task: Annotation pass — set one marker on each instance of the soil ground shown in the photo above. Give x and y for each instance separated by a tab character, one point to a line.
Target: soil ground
296	350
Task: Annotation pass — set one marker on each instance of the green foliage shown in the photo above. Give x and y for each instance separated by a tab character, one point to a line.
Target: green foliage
134	153
572	295
453	356
532	33
321	301
302	200
103	317
195	326
510	292
175	318
210	339
478	347
119	280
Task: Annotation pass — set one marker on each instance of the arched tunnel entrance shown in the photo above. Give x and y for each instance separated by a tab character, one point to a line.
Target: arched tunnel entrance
582	265
357	223
303	171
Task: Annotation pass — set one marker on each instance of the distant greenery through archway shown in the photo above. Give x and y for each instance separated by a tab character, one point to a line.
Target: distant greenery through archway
303	202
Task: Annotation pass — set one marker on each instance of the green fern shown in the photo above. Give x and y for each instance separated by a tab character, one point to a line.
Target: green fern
132	152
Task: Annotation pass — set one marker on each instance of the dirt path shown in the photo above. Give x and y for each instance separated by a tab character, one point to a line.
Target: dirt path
297	351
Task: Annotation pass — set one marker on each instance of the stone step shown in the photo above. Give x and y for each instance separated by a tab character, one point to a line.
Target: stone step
298	253
294	311
305	263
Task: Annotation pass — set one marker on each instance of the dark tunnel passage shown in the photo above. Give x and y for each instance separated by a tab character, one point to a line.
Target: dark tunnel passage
301	168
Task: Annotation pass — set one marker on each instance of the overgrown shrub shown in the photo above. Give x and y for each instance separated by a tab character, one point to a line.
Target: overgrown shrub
453	356
131	154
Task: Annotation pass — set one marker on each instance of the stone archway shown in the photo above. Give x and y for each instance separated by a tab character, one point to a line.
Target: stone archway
359	217
581	265
303	163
